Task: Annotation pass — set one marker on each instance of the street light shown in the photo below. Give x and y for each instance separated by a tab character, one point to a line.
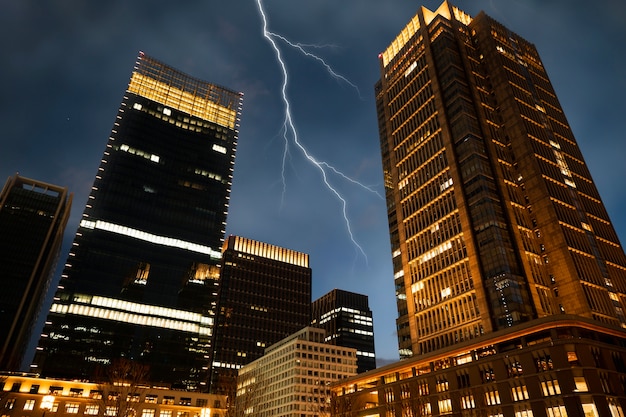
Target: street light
46	404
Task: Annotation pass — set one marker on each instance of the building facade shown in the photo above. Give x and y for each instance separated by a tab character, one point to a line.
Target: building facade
265	295
348	322
293	377
33	216
141	279
498	233
494	216
27	395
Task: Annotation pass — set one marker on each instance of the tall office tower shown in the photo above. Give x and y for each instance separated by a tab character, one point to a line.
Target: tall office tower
494	217
141	279
267	386
347	319
265	295
510	278
33	216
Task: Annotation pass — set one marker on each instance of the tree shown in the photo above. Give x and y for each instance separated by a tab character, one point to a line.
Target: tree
122	383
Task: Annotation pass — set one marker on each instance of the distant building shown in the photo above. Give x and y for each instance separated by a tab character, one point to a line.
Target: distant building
292	378
510	278
141	279
33	216
347	319
23	395
265	295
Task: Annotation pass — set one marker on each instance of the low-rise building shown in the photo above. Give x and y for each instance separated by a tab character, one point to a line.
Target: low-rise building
293	378
23	395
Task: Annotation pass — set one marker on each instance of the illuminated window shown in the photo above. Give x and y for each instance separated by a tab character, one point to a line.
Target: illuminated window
71	408
29	404
151	399
92	410
445	406
167	111
519	393
581	384
137	106
615	408
524	413
110	411
556	411
219	148
550	387
148	412
589	410
168	400
492	397
467	402
165	413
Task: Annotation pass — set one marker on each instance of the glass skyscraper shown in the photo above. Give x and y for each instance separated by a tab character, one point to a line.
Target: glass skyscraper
265	296
141	278
33	216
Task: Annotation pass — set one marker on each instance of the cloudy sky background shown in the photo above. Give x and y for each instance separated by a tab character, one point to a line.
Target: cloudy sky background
65	65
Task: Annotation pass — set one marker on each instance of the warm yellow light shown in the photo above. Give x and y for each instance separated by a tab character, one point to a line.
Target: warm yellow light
47	402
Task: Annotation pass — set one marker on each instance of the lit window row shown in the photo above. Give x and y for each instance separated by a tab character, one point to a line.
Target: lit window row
138	152
149	237
101	313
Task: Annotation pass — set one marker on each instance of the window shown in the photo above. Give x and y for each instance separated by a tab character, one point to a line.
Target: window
10	404
91	410
550	387
133	398
16	387
111	411
166	413
519	393
556	411
168	400
151	399
492	397
71	408
581	384
445	406
148	412
95	394
56	390
29	405
34	389
185	401
76	392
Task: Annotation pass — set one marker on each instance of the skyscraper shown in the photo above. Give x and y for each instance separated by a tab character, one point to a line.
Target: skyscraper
510	278
265	295
141	279
347	319
33	216
493	214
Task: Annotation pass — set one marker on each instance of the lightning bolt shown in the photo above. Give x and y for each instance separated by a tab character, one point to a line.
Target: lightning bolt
289	127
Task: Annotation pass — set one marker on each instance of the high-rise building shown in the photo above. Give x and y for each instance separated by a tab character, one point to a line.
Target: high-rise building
347	319
494	217
510	278
265	295
292	378
141	279
33	216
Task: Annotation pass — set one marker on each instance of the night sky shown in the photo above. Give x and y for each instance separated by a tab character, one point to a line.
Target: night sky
65	66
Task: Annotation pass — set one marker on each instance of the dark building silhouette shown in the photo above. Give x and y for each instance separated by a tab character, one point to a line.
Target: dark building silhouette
33	216
141	279
347	319
265	296
510	278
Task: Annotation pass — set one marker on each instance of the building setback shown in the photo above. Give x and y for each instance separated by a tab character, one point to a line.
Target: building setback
33	216
499	236
265	295
347	319
141	279
292	378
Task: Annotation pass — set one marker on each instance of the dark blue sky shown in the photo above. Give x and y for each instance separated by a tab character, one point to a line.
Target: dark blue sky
65	65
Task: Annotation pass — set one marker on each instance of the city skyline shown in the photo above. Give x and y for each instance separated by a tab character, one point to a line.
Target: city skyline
65	143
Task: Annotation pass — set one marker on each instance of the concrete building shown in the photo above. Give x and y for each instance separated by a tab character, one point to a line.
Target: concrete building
510	278
28	395
293	377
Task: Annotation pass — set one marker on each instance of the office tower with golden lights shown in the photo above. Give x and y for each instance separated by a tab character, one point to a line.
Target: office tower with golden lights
33	216
265	295
510	278
141	279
